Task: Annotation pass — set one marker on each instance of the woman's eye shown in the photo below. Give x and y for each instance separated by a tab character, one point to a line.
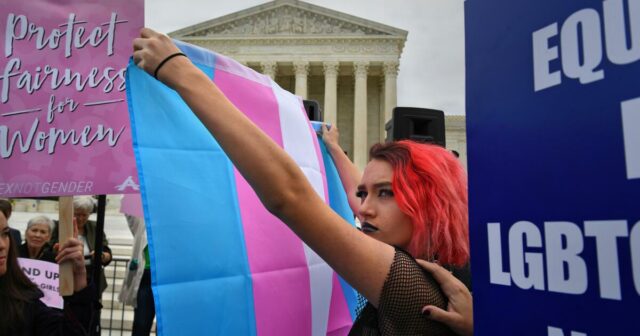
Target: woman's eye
385	193
361	194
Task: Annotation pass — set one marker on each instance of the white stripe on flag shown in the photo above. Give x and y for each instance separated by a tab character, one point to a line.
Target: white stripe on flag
298	142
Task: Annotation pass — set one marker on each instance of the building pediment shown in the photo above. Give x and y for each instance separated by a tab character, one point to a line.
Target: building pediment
283	18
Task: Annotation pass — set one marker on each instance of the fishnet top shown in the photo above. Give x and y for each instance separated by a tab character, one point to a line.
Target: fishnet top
405	291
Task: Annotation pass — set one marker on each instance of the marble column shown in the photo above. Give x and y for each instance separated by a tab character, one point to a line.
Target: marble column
360	150
270	69
331	92
301	70
381	109
390	88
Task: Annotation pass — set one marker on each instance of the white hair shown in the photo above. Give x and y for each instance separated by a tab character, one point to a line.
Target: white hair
83	203
40	220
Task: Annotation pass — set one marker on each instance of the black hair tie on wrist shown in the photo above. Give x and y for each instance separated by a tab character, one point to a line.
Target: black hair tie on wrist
155	73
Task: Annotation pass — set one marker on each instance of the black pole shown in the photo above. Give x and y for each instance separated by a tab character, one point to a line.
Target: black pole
97	257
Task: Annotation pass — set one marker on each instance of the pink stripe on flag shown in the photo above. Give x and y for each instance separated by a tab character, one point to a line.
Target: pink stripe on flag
234	67
276	255
339	317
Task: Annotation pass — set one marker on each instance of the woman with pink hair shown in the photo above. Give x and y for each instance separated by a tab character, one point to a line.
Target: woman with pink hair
438	206
413	202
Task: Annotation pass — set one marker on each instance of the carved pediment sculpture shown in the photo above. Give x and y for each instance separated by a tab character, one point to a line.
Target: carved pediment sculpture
286	20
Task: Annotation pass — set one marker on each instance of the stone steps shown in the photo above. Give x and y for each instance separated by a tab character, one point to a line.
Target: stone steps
119	319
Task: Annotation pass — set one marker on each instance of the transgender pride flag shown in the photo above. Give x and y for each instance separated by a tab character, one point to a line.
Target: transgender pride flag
221	263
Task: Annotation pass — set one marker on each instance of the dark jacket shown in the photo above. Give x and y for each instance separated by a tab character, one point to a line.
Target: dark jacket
17	237
45	254
75	319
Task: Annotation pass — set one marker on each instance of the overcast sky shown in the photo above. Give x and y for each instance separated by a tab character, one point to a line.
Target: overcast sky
432	63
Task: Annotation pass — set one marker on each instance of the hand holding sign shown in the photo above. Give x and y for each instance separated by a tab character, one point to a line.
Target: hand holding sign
71	251
105	258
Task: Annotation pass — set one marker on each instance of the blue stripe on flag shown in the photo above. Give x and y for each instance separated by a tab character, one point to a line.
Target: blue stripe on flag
340	204
201	277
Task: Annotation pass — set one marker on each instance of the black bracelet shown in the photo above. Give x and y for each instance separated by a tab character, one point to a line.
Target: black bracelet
155	73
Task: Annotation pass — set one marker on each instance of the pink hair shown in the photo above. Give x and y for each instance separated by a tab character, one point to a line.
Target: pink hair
430	186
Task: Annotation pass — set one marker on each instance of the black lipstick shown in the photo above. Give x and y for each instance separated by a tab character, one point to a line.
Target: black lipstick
369	228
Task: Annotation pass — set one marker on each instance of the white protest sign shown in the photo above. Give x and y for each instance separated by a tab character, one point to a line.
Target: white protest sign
46	276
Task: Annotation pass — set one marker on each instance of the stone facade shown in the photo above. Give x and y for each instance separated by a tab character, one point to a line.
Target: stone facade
348	64
456	135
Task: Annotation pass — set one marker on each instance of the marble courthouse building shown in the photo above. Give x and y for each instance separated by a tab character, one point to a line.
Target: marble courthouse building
348	64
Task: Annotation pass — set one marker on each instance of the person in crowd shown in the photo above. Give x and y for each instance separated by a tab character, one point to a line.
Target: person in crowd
136	288
459	313
413	202
454	282
6	208
22	311
37	236
87	229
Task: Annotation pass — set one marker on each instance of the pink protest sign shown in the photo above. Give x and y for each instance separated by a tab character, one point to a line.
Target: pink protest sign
46	276
131	204
64	125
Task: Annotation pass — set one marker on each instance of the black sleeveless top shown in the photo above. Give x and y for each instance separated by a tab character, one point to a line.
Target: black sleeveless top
406	290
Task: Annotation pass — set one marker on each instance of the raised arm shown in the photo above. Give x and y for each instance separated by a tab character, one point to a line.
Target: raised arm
276	179
350	176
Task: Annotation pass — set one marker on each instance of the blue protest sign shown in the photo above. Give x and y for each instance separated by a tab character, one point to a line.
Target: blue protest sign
553	121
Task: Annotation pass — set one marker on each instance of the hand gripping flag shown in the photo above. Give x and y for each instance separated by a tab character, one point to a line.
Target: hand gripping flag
221	263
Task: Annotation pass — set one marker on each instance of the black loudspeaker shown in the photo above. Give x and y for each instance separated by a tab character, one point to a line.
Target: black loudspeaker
313	110
418	124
